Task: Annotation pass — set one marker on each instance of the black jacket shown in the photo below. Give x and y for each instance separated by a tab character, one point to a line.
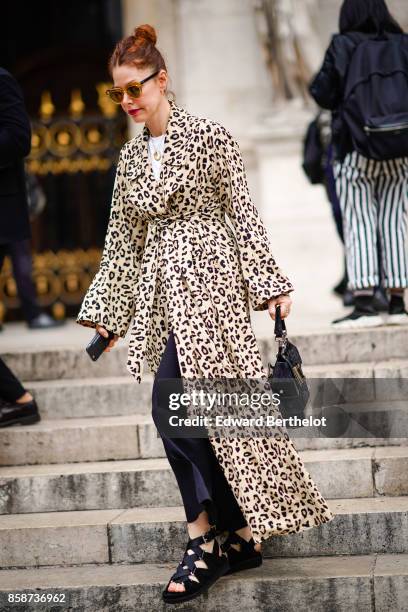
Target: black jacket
327	87
15	144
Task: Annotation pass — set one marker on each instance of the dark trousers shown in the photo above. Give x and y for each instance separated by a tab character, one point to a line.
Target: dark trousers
21	259
10	387
200	478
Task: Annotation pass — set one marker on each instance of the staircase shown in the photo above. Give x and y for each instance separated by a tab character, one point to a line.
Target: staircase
90	508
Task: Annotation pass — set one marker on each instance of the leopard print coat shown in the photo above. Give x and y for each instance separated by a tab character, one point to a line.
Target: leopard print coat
190	252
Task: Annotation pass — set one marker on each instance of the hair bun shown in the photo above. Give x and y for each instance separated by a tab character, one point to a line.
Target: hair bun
145	32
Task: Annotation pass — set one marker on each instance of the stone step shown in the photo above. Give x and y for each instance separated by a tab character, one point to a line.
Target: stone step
158	535
340	473
135	436
361	526
78	440
91	397
363	583
66	362
395	368
346	346
337	346
119	395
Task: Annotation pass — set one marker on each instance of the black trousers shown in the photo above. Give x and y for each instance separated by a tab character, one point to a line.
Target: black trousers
200	478
10	387
21	259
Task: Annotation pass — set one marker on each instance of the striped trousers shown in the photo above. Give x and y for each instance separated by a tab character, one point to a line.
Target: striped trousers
373	198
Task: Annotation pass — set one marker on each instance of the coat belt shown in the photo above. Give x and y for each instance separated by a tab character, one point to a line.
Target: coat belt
148	274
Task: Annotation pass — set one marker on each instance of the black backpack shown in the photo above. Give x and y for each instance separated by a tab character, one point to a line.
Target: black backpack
375	101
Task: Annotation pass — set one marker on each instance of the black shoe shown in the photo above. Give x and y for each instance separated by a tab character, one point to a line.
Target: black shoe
380	300
12	413
342	292
217	566
397	315
244	558
44	321
348	298
341	287
363	315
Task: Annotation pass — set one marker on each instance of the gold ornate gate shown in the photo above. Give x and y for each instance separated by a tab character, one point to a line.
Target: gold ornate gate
74	152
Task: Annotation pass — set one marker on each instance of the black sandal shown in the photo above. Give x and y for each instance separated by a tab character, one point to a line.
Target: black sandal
217	566
244	558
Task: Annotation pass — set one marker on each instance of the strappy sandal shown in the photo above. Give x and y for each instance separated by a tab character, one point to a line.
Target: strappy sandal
217	566
244	558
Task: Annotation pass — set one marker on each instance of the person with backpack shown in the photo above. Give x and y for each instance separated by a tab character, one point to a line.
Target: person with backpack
364	82
318	165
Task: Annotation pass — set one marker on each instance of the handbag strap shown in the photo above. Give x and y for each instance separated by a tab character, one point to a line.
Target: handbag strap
280	330
280	325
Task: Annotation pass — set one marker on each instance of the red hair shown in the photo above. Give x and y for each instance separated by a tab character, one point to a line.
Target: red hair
138	49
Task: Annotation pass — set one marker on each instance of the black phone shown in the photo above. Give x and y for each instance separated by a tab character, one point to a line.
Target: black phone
98	344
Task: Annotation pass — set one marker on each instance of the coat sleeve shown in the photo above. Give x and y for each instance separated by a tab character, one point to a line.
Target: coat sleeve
325	88
263	278
328	85
109	300
15	127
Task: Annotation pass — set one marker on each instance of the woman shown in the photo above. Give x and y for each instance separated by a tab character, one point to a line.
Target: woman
373	193
173	263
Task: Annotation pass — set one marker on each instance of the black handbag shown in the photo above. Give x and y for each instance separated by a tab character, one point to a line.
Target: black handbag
286	376
313	154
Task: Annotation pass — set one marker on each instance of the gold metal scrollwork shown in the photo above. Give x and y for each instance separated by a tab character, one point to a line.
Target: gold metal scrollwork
63	138
78	143
108	108
38	140
47	107
77	105
61	278
94	136
69	166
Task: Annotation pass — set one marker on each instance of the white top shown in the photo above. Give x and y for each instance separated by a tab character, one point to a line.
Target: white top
156	143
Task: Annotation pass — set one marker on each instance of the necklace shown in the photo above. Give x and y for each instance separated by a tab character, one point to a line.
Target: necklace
157	154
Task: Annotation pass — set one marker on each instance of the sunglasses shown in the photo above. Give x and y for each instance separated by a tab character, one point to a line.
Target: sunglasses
134	89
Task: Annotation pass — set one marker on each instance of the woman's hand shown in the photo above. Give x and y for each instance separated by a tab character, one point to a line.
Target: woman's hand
105	334
285	304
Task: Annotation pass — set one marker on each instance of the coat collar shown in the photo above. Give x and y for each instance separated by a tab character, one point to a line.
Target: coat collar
177	135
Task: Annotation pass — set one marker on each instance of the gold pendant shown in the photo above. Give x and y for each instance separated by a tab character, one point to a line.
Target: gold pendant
157	155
